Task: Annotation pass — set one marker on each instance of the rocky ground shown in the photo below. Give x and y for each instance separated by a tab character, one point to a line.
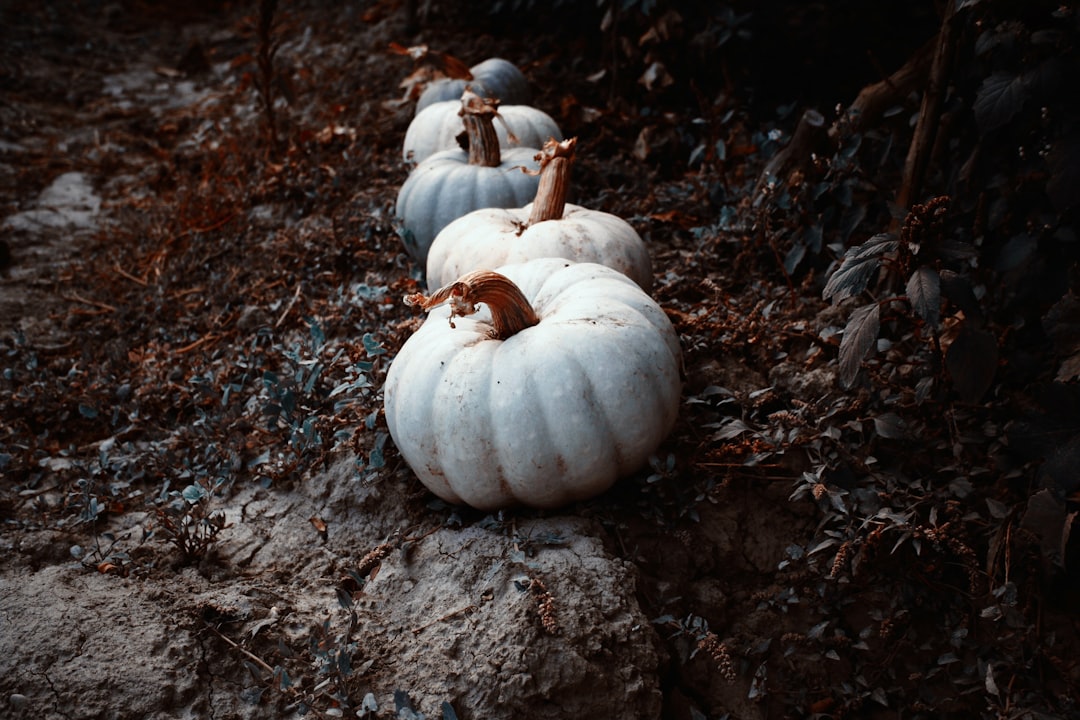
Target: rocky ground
203	515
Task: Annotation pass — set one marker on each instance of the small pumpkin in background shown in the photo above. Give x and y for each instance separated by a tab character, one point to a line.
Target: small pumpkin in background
438	126
546	227
556	379
452	183
493	77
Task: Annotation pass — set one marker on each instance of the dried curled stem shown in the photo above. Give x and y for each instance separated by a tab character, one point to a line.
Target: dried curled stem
510	310
555	161
478	115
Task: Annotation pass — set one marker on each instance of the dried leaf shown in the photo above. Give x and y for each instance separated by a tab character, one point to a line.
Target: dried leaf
656	76
860	335
1069	369
990	684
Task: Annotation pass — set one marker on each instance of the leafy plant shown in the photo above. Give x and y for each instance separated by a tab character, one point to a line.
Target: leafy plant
932	266
186	520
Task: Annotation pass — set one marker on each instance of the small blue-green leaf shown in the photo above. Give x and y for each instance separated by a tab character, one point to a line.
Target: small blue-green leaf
372	346
318	337
194	493
375	459
312	378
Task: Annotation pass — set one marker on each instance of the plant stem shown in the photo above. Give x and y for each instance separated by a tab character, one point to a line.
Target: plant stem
510	310
555	161
929	113
478	114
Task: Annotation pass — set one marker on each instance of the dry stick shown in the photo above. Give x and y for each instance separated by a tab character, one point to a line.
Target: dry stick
873	100
448	616
251	656
807	137
198	343
125	274
929	114
289	307
206	228
92	303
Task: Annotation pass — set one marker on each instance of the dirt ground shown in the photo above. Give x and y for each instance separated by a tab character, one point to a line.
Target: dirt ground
204	517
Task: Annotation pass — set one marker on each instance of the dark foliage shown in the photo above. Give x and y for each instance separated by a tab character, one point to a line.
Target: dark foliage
236	324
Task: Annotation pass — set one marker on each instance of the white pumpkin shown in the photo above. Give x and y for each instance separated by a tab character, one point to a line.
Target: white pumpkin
546	227
438	126
492	78
453	183
565	377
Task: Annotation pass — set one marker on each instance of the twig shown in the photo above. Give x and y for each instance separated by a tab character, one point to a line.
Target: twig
198	343
447	616
125	274
873	100
182	293
205	228
804	142
92	303
295	297
247	653
929	114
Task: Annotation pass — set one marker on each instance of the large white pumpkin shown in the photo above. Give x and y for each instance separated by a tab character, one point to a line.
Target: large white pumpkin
548	227
546	395
436	128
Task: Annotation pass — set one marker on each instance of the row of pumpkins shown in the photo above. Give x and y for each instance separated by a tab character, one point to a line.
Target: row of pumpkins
544	371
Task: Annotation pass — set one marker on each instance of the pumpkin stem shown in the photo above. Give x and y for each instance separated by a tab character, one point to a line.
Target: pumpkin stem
510	310
555	161
478	114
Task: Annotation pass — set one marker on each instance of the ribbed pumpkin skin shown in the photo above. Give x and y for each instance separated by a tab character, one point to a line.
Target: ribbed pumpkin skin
445	186
552	415
492	78
437	126
489	237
